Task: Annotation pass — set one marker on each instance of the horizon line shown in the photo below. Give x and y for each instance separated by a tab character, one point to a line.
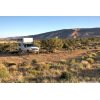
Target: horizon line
48	32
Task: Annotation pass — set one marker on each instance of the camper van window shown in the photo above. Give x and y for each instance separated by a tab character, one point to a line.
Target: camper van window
28	45
25	45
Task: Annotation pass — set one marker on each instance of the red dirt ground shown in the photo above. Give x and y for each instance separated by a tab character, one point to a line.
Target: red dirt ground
51	57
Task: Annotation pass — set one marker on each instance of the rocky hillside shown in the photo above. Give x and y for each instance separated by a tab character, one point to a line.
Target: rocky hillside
66	33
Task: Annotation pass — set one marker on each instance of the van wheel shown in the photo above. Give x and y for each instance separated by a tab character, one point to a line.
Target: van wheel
20	52
28	52
38	52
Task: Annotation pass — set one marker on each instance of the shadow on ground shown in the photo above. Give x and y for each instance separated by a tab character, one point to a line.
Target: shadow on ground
90	73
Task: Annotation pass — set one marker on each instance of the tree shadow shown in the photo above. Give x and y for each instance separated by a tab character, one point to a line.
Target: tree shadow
4	54
15	53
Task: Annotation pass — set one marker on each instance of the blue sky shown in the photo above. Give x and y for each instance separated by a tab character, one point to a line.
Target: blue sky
25	25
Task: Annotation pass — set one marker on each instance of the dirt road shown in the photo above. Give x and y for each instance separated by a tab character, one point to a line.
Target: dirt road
51	57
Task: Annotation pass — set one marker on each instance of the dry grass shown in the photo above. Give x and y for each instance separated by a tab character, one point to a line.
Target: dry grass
51	67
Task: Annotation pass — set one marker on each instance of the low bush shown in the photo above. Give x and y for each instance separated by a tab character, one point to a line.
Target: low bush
34	61
23	64
62	61
8	64
90	60
66	76
4	73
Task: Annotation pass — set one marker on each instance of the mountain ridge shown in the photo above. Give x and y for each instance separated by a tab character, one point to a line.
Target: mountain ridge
64	33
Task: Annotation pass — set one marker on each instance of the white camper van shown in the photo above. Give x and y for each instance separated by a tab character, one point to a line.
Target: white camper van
26	45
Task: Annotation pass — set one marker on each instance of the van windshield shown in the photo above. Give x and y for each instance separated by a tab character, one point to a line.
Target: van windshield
28	45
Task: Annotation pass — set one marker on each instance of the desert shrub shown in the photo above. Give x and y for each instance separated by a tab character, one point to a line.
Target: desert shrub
71	62
13	46
55	72
11	67
12	70
90	60
34	75
86	64
41	67
80	65
77	66
57	66
3	47
54	66
62	61
34	61
8	64
90	55
33	72
52	44
23	64
84	41
65	46
94	54
66	76
7	47
37	43
83	58
23	69
38	68
4	73
20	79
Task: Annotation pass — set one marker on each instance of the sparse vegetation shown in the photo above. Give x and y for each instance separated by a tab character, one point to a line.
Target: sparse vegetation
71	60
